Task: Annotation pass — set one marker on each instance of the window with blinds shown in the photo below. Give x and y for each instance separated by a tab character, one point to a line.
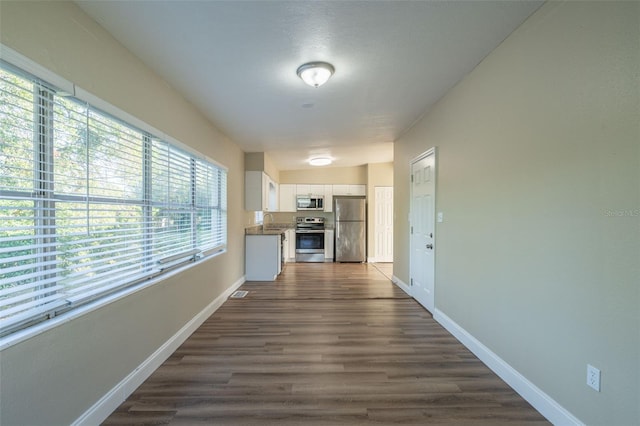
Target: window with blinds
90	205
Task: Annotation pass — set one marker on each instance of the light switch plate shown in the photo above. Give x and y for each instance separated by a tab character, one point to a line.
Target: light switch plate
440	217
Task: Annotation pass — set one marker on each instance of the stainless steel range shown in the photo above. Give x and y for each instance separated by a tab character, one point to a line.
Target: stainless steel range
309	239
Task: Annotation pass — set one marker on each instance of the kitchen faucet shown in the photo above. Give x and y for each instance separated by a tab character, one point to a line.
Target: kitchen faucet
265	217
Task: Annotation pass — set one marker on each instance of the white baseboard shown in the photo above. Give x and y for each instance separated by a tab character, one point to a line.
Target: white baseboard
542	402
112	399
376	260
403	286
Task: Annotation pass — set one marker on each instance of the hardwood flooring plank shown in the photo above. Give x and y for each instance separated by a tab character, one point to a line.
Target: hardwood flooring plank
290	378
325	344
136	418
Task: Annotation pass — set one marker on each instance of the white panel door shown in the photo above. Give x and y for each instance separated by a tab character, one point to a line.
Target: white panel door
384	224
422	212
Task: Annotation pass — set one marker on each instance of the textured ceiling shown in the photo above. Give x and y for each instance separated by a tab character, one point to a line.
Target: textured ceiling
237	60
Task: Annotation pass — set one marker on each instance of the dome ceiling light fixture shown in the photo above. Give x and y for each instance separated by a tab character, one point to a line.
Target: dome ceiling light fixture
320	161
315	74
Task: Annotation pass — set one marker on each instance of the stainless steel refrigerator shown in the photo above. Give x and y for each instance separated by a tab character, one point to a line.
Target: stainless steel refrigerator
351	228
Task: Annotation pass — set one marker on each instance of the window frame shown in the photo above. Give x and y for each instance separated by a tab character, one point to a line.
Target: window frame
44	184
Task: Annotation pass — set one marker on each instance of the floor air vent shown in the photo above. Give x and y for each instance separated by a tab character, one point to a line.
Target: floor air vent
239	294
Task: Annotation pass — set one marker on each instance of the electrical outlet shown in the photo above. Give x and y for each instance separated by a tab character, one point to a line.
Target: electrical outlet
593	377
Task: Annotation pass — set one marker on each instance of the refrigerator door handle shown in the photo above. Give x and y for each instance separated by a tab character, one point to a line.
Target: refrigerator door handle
337	230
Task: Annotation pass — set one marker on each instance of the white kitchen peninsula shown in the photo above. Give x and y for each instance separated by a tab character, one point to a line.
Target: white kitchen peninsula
263	255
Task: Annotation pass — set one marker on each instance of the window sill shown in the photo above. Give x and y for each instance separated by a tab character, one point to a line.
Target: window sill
46	325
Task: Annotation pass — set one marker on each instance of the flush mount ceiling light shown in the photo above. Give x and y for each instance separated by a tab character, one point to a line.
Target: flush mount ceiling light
315	74
320	161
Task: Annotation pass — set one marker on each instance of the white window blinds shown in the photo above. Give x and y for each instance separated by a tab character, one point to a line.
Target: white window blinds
90	204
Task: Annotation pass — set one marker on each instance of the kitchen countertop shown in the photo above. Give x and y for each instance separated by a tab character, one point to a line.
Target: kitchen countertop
277	229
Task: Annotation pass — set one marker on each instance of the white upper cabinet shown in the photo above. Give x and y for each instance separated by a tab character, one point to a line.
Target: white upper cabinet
289	191
260	192
358	189
271	189
316	189
349	189
328	198
305	189
288	197
253	198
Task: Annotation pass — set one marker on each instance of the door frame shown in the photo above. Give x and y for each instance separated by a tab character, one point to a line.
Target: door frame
431	151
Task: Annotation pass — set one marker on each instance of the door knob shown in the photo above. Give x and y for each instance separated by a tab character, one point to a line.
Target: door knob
430	246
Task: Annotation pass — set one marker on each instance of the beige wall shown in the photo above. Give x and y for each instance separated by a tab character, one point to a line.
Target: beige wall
326	175
379	174
261	162
538	179
57	375
271	169
254	161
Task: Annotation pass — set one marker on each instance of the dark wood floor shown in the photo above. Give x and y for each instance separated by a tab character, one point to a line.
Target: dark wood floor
326	344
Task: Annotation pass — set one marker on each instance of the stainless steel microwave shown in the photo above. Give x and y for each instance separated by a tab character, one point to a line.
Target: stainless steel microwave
309	202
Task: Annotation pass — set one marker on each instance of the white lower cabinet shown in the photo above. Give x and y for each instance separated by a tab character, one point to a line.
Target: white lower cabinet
262	257
290	243
328	245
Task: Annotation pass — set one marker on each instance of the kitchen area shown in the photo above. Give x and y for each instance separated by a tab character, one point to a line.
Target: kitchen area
311	223
317	215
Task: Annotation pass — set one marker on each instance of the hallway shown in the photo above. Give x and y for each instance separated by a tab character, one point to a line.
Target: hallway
330	344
